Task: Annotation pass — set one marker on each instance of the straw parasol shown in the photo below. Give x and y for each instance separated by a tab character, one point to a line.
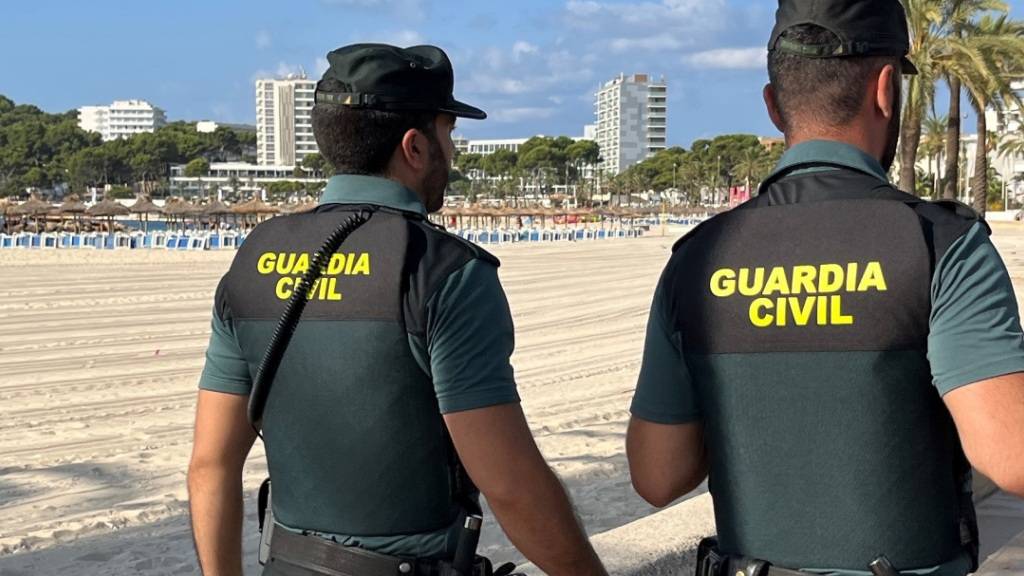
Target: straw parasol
33	207
5	205
144	205
73	205
179	207
108	208
215	210
255	207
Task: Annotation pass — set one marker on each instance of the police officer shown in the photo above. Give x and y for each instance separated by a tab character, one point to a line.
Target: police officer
401	354
830	349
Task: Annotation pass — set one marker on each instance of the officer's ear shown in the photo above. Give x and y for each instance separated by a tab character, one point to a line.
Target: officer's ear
773	107
415	150
887	92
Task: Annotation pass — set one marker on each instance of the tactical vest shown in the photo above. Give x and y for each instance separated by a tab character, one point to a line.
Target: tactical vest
354	438
804	318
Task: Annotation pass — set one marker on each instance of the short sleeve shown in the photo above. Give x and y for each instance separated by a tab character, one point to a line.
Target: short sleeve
664	390
470	339
974	329
226	369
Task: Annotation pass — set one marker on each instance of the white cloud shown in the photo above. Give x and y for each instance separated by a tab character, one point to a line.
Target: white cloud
408	9
263	39
521	48
321	66
284	69
728	58
683	14
661	42
492	71
513	115
402	38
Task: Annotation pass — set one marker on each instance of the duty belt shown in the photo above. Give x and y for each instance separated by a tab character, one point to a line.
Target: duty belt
322	556
711	562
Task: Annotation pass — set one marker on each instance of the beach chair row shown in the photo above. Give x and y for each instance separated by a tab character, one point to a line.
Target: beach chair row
501	236
232	240
119	240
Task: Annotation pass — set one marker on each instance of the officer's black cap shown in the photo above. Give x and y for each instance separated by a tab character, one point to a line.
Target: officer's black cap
384	77
862	28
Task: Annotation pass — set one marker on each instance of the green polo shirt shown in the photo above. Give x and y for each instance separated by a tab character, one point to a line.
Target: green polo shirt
974	327
469	340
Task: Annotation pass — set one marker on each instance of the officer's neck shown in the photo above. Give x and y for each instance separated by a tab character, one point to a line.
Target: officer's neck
855	135
414	184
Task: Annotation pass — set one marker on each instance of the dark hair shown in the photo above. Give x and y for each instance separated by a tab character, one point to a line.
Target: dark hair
362	141
825	91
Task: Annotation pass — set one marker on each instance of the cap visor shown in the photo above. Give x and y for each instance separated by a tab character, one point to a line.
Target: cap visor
463	110
908	66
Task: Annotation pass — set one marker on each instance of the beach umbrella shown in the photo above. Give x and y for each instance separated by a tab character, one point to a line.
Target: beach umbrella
215	210
73	205
144	205
108	208
33	207
181	208
254	207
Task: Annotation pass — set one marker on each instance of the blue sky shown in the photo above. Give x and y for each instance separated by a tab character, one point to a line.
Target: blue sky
532	64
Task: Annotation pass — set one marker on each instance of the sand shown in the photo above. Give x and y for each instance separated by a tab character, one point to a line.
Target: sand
100	353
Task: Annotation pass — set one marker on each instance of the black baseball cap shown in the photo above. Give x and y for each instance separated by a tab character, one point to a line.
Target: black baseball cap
862	28
384	77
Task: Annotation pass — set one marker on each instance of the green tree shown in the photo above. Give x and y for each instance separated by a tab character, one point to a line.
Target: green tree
198	168
316	164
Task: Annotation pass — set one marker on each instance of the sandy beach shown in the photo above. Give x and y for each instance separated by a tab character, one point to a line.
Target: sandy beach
100	354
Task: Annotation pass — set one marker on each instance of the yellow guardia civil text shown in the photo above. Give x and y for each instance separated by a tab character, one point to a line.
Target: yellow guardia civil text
291	266
798	295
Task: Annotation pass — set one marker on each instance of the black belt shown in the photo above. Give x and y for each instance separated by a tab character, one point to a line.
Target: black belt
322	556
332	559
711	562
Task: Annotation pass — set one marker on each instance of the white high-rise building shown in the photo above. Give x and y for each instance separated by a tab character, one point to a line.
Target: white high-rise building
284	124
123	118
632	115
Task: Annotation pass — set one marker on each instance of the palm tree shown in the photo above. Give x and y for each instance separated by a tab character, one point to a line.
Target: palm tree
996	44
924	19
752	165
945	46
960	62
932	146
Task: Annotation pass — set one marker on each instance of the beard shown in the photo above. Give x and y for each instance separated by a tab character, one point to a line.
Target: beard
893	132
435	182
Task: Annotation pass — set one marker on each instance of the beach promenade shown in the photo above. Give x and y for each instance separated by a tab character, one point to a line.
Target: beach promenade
100	352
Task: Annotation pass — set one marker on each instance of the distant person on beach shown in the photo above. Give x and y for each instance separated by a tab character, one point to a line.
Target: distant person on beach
836	353
395	404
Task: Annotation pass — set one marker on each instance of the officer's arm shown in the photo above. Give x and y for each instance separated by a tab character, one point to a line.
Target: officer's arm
497	449
976	351
989	417
665	438
222	440
666	461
